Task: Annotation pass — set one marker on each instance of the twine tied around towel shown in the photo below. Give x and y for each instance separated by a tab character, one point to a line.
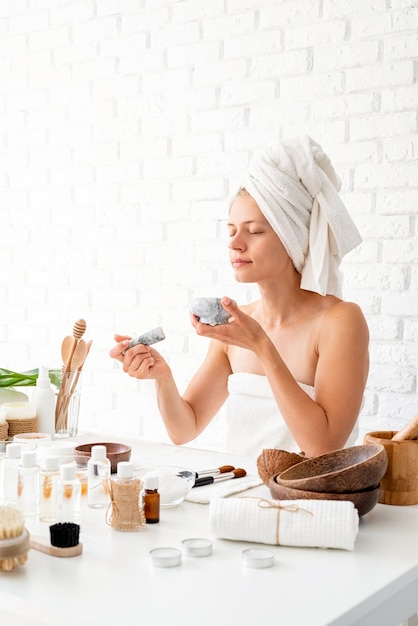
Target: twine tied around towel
264	503
124	511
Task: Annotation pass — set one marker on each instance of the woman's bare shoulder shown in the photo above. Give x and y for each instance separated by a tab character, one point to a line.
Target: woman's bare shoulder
344	315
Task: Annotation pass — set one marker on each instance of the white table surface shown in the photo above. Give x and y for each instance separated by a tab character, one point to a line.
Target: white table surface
114	581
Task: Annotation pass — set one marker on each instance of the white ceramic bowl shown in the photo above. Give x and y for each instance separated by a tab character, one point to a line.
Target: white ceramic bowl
174	482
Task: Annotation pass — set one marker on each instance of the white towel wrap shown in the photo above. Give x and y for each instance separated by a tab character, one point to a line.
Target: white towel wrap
296	188
308	523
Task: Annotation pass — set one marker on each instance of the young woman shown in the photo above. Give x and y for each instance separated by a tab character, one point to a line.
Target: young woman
293	365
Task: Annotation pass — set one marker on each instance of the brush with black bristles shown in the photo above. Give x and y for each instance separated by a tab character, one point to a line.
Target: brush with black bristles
64	540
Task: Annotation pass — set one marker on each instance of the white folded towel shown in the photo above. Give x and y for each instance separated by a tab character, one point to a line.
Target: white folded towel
307	523
296	188
205	494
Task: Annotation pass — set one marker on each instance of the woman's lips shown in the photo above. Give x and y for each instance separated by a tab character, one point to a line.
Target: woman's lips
237	263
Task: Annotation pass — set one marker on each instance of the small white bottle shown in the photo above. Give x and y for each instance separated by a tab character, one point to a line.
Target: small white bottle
48	488
28	484
68	494
98	474
43	398
11	463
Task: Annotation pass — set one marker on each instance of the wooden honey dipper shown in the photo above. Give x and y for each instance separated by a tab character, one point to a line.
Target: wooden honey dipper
79	329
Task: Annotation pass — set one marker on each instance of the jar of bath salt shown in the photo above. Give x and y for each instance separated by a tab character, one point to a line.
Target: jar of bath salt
125	497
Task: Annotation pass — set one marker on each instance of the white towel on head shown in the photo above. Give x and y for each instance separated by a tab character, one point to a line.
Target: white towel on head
303	523
296	188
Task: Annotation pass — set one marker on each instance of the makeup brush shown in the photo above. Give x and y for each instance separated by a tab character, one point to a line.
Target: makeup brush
214	472
209	480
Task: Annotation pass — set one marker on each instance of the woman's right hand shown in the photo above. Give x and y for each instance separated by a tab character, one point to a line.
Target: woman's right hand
142	362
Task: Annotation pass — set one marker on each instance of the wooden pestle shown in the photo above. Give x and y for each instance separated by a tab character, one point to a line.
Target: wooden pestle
410	431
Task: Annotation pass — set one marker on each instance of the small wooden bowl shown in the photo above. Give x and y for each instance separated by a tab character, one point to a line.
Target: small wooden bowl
273	461
342	471
115	452
364	501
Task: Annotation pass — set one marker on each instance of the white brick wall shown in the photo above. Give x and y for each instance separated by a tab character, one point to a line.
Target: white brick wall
124	126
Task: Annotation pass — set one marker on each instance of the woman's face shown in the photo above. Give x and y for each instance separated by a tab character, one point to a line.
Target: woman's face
255	251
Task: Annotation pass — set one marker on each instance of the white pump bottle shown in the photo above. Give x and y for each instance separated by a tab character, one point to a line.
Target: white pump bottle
44	399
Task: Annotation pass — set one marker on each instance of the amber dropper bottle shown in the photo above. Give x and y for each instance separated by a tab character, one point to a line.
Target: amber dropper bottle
151	499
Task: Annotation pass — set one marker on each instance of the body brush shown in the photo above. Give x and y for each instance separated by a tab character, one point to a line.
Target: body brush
14	538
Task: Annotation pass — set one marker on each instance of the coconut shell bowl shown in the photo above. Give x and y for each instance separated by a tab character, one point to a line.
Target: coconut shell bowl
348	474
115	452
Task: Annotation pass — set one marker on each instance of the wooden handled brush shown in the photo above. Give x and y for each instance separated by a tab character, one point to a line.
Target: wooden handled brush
14	538
64	541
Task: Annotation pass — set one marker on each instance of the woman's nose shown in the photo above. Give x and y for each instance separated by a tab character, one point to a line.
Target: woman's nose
236	242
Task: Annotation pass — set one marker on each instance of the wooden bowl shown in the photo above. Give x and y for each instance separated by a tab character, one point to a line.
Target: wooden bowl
115	452
342	471
273	461
364	501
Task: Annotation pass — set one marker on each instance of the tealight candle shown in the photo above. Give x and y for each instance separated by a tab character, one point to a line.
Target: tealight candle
197	547
165	557
18	410
257	557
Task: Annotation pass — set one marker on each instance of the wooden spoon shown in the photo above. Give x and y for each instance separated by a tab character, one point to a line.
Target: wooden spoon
66	346
410	431
79	356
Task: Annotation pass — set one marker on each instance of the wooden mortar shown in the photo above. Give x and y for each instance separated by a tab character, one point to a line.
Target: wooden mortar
399	485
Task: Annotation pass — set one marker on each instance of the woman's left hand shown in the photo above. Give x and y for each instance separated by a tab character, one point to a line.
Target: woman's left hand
240	330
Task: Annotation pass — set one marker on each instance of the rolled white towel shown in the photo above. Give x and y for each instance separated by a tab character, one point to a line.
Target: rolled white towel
307	523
